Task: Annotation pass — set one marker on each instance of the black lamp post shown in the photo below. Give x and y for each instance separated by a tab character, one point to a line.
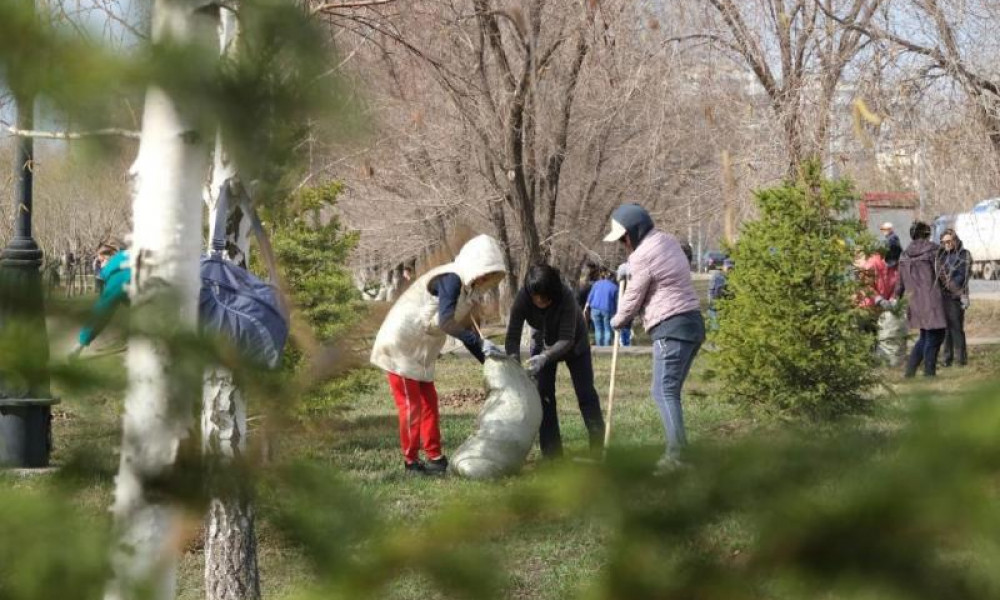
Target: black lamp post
25	400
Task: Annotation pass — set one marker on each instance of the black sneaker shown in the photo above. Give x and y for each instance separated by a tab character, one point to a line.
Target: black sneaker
415	468
437	466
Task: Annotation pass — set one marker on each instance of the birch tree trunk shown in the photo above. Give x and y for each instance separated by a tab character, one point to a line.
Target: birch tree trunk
168	173
230	538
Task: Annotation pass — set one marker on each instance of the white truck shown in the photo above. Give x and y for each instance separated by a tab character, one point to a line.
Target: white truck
979	231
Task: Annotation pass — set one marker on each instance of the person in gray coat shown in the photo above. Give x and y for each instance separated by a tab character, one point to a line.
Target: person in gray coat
925	310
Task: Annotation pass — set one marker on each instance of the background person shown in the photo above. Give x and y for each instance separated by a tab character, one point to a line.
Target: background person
688	252
717	291
583	292
880	280
68	268
559	335
661	288
602	303
890	327
893	247
116	274
954	264
626	330
95	266
411	337
104	253
925	310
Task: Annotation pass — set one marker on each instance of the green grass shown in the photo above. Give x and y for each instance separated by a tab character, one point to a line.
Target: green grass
555	558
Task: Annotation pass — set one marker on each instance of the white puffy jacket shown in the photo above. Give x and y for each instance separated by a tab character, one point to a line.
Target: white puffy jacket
410	339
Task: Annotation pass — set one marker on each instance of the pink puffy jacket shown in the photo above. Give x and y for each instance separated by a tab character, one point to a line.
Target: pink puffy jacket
660	284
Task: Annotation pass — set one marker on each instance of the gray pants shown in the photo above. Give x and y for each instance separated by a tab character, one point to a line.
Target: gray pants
671	363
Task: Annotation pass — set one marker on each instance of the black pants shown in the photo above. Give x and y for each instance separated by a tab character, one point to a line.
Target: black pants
954	336
581	371
926	351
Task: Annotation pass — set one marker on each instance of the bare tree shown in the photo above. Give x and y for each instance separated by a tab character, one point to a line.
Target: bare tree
954	39
500	102
538	135
533	119
797	53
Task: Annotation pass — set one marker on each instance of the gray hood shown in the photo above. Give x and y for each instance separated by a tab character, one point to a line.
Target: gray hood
634	220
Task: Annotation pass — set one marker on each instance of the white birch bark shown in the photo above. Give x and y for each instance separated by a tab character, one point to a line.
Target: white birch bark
230	538
168	173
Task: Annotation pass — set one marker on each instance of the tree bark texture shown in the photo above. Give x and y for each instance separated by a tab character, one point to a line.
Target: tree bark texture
168	174
231	571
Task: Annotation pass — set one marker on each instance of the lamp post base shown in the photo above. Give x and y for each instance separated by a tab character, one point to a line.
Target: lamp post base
25	432
25	408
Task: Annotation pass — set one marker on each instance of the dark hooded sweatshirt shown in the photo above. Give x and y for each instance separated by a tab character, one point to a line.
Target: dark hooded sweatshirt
560	329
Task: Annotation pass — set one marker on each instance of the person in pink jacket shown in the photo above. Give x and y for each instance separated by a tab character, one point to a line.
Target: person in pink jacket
660	289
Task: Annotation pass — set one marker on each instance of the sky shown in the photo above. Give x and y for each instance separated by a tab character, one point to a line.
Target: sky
114	22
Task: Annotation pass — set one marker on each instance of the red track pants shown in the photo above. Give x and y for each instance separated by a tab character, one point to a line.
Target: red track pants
417	405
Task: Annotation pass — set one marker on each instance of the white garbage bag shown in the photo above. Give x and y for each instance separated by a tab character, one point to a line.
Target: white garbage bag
892	332
508	423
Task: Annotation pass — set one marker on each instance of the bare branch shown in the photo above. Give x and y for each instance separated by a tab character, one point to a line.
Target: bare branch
335	6
74	135
953	63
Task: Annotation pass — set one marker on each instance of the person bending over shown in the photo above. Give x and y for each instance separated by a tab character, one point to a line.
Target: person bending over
559	336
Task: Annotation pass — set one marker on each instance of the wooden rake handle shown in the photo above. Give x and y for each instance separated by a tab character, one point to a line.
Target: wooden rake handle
614	370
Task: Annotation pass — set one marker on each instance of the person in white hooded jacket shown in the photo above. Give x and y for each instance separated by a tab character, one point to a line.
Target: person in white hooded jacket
407	346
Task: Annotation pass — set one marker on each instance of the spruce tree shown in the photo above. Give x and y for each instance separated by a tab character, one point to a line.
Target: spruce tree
789	337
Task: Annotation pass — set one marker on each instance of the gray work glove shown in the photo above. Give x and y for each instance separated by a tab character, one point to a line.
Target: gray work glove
536	363
964	301
491	350
75	353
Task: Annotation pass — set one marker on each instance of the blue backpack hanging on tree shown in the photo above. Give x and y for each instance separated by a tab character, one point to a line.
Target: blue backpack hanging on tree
236	304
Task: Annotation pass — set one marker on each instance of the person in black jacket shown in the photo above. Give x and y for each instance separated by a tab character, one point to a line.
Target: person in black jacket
953	268
560	335
688	251
894	249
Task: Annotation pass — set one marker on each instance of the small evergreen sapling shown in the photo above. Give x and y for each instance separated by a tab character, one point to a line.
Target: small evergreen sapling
789	337
312	246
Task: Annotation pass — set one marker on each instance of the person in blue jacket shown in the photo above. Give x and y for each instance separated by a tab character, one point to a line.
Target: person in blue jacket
116	274
602	302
